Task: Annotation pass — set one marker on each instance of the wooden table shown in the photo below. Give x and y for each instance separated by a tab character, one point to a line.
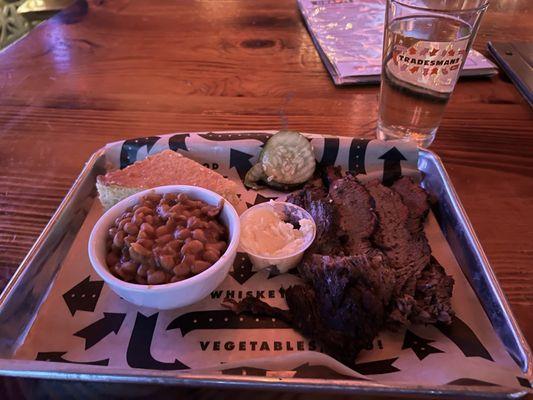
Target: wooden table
107	70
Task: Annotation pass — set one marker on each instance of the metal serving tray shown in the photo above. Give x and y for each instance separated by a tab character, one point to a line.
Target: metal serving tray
20	302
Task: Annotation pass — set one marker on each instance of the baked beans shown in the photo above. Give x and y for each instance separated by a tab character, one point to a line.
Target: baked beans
165	238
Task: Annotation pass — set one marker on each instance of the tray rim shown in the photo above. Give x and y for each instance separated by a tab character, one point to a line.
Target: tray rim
491	276
52	223
89	373
83	372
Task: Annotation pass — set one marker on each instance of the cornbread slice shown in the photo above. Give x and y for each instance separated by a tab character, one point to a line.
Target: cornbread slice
164	168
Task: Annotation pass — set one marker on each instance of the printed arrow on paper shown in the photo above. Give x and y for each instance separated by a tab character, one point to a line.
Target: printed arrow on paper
138	354
57	356
130	148
419	345
177	142
223	319
524	382
242	268
241	162
83	296
392	167
101	328
258	200
377	367
464	338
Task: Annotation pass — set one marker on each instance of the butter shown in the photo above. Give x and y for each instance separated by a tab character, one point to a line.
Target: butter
265	233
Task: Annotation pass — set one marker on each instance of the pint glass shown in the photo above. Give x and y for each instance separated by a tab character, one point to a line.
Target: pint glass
424	49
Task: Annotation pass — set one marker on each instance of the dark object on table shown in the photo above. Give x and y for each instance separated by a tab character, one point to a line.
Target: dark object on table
516	59
371	268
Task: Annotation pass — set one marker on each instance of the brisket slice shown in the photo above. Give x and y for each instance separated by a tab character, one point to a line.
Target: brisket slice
344	215
431	302
343	345
304	317
342	307
313	190
313	198
254	306
326	240
330	175
433	295
355	216
432	288
407	253
416	200
353	291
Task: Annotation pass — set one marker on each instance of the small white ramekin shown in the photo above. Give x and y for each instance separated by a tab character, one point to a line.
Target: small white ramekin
170	295
288	261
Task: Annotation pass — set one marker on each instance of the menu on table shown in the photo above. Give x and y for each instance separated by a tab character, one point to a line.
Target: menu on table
348	35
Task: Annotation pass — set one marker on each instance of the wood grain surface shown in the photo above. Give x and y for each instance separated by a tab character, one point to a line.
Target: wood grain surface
107	70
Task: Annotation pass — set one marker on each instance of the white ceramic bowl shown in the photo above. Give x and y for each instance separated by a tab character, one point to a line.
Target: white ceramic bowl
170	295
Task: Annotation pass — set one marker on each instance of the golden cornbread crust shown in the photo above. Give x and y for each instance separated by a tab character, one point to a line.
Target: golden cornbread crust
164	168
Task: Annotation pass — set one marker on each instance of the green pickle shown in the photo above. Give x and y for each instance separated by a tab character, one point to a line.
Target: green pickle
287	161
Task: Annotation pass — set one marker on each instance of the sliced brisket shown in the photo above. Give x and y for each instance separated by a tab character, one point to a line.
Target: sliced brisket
254	306
433	295
330	175
416	200
408	254
342	307
353	291
313	190
432	288
342	345
355	217
304	316
327	241
370	264
344	304
314	199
